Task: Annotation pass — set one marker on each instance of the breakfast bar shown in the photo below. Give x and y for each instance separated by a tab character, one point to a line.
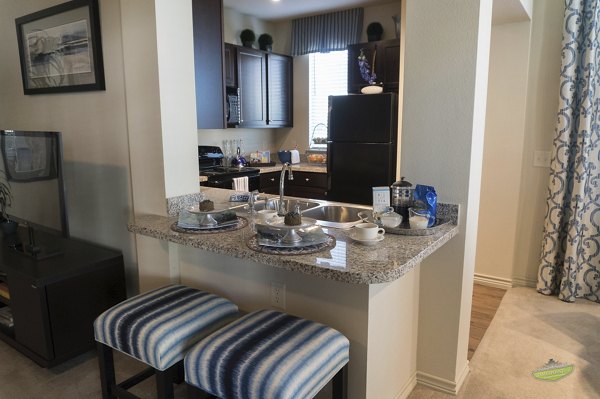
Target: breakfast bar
368	293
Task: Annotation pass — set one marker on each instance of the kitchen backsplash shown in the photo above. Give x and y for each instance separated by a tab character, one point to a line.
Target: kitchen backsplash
254	139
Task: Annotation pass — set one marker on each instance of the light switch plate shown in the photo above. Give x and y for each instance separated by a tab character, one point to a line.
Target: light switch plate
542	159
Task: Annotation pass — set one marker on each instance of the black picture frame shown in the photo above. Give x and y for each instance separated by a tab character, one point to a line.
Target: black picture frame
60	49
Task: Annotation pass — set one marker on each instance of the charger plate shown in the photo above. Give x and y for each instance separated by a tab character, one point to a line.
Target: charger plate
252	243
239	224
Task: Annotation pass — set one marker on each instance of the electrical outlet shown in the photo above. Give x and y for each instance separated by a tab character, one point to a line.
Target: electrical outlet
541	159
278	295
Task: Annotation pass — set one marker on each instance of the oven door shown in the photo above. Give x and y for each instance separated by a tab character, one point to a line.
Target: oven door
227	183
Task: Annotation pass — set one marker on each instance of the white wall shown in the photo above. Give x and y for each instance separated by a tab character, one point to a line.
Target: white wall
235	22
446	66
381	13
503	152
542	107
94	127
175	45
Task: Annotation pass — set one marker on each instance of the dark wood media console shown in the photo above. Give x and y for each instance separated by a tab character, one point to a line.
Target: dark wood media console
54	301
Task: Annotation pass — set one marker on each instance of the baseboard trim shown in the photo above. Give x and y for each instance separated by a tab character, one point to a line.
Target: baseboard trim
408	387
442	384
524	282
493	281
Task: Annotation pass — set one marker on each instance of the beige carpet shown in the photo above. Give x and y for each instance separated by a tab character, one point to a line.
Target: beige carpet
21	378
528	330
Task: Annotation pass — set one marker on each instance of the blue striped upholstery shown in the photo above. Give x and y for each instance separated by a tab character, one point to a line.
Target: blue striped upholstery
267	355
158	327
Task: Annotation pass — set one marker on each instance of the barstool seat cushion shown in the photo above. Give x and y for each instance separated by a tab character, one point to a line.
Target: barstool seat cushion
158	327
267	355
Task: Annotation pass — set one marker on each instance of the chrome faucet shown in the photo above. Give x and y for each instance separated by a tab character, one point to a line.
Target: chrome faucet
286	166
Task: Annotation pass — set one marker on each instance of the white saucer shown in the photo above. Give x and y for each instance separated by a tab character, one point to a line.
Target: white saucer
367	242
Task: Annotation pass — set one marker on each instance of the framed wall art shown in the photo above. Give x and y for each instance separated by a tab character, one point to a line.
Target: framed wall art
60	48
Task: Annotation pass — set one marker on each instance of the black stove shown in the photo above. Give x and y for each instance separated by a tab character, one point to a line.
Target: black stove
210	161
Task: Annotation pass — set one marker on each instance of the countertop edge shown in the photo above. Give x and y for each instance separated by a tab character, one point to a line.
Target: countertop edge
288	263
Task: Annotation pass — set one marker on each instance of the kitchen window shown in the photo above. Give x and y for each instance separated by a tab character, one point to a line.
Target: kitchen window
328	75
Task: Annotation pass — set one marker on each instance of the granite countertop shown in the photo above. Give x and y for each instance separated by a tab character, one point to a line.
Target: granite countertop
348	261
300	167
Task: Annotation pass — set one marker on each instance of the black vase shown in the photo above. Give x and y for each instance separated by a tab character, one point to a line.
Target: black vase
374	38
266	47
248	44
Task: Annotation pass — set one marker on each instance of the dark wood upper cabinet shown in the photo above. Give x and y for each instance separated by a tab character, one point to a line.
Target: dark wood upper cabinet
387	64
280	90
252	84
209	64
265	83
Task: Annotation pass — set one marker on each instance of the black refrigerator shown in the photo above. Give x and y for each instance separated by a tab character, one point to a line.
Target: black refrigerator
361	145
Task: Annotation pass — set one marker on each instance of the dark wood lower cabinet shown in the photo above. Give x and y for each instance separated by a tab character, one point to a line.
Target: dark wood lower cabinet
55	301
305	184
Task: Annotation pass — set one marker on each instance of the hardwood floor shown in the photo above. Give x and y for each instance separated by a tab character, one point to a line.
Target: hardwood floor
485	303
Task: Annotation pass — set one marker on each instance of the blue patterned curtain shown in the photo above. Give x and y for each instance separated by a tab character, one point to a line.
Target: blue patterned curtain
326	32
570	265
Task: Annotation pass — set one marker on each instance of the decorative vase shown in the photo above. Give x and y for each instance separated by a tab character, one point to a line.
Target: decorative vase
266	47
248	44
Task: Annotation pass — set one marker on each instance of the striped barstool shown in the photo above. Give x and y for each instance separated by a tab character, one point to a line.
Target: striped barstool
157	328
268	355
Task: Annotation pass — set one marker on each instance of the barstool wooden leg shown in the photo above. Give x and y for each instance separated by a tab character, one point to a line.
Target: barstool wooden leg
195	393
107	370
339	384
164	383
179	373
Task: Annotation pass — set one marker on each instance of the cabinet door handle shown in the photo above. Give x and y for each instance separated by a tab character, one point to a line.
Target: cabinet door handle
272	179
239	90
34	286
307	179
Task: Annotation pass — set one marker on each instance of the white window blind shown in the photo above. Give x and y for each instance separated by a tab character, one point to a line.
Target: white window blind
328	76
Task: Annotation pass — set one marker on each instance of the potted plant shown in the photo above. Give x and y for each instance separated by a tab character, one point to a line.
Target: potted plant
265	41
248	37
6	225
374	31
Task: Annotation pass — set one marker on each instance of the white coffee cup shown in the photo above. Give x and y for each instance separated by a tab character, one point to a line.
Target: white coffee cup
368	231
266	214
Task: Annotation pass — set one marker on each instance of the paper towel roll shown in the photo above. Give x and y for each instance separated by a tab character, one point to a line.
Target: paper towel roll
295	156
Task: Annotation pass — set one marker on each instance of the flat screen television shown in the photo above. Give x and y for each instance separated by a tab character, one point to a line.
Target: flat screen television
32	165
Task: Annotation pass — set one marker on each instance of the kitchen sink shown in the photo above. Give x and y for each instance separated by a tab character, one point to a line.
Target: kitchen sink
290	204
337	216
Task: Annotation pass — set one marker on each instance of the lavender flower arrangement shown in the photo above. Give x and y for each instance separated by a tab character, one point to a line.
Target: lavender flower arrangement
365	68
